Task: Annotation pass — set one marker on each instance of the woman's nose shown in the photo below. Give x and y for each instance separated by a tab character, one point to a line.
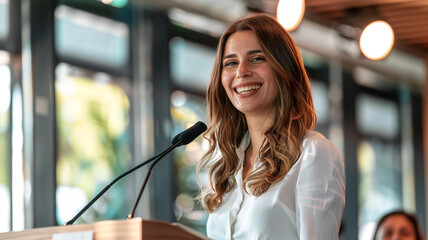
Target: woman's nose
243	70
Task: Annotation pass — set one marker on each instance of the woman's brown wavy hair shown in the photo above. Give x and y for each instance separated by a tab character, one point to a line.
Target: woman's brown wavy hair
294	115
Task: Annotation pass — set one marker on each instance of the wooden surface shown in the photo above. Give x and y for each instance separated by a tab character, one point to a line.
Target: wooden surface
159	230
130	229
106	230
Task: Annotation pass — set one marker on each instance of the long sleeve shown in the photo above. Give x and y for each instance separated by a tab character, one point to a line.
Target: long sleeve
320	191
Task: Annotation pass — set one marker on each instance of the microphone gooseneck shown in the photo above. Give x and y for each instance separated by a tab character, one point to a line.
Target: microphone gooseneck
105	190
160	156
180	139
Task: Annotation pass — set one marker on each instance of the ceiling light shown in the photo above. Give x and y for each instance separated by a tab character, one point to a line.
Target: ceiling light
376	40
115	3
290	13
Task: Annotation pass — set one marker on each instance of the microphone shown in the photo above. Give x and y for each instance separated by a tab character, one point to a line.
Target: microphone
183	138
175	139
191	133
175	143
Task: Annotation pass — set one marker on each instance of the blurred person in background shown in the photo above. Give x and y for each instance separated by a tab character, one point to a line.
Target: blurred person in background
398	225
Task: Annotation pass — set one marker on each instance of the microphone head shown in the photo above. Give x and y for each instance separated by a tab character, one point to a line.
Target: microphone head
175	139
191	133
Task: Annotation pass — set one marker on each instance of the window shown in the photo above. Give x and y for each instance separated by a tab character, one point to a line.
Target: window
185	111
106	41
5	103
380	167
4	19
94	143
191	64
93	111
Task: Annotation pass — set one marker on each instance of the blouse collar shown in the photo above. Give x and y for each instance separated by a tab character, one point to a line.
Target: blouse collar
240	151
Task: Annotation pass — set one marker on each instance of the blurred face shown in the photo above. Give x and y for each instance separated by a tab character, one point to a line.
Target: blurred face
396	227
246	76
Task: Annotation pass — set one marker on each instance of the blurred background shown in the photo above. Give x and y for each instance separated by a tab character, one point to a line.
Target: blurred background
91	88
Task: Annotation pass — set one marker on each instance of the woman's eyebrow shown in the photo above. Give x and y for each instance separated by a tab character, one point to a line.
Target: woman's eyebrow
251	52
254	52
229	56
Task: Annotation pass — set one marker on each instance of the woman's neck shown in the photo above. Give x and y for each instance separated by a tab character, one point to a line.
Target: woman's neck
257	127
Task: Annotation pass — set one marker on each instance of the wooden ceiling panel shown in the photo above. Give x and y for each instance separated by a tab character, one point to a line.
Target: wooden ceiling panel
417	27
417	36
417	41
403	12
404	5
353	3
408	18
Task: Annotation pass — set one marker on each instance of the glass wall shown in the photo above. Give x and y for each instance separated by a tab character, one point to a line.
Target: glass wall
379	156
106	41
188	107
4	19
379	160
94	146
5	99
93	111
318	72
5	103
185	111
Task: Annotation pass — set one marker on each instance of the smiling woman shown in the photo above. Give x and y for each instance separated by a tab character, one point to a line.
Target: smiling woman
274	176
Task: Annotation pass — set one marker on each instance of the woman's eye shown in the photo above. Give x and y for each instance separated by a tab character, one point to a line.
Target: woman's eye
258	59
231	63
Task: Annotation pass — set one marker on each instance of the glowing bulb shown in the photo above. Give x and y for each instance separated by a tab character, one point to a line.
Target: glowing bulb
376	40
290	13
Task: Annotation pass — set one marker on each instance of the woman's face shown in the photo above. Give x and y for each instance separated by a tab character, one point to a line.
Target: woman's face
246	76
396	227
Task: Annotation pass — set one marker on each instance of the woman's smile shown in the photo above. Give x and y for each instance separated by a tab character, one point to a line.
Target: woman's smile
246	90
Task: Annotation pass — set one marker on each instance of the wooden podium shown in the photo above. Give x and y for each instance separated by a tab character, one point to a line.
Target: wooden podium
129	229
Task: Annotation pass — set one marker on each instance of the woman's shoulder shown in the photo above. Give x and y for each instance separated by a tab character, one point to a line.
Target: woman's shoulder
315	143
314	137
320	157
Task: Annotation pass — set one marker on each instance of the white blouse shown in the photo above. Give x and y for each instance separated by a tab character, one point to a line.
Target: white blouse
307	204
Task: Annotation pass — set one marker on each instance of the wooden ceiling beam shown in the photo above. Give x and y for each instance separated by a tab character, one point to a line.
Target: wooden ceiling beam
406	12
348	4
413	19
424	47
415	41
353	3
404	5
411	35
384	5
407	29
335	14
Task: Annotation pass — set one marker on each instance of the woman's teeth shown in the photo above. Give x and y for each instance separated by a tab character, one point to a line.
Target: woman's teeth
247	89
